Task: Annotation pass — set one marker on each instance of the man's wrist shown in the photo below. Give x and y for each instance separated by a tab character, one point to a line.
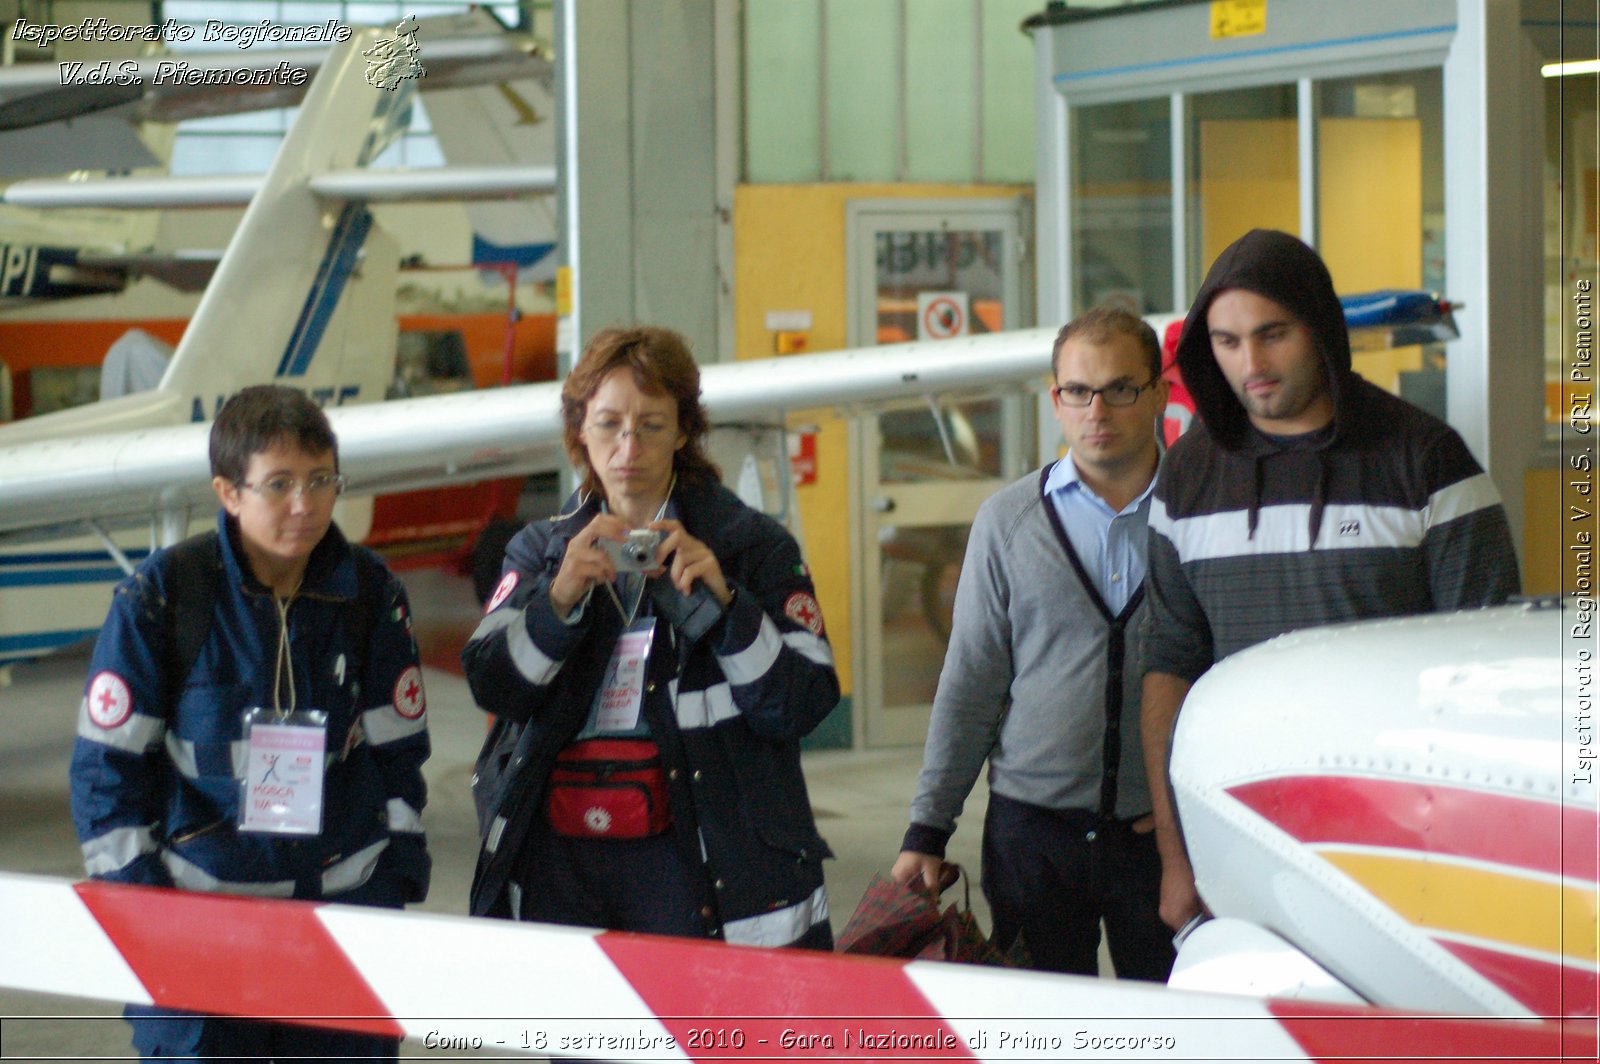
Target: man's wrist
926	839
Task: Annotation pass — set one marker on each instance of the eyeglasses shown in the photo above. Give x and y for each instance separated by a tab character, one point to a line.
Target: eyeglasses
281	488
609	430
1119	394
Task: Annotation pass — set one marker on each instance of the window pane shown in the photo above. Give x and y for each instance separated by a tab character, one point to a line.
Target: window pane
311	13
781	104
1380	207
233	154
1007	91
1122	206
935	284
238	143
940	85
863	92
412	152
1244	170
274	121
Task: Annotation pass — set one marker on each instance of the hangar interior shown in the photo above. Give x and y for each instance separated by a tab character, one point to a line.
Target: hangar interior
772	176
1429	145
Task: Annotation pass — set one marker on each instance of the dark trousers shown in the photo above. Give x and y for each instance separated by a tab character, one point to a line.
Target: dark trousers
1053	875
640	885
615	884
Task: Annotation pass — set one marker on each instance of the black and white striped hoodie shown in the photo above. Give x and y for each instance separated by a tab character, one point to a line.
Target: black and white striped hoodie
1383	512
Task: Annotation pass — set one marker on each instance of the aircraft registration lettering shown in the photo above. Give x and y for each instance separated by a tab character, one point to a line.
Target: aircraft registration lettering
17	267
336	395
30	271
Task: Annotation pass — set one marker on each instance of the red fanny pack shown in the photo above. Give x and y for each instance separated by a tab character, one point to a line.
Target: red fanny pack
609	789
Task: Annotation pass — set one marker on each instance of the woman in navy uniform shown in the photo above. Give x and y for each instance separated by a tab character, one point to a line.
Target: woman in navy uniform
644	772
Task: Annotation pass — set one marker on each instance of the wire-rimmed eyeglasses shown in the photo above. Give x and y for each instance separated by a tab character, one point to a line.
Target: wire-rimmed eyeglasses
283	487
610	430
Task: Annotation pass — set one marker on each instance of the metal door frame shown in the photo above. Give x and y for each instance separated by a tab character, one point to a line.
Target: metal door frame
1012	217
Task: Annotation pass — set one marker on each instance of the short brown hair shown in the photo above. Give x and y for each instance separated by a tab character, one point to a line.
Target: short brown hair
661	365
261	416
1099	324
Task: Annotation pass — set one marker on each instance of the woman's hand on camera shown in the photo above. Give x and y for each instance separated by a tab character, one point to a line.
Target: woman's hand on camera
691	561
586	563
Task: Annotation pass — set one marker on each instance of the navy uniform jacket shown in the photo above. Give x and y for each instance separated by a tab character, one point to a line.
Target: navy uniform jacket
728	711
158	759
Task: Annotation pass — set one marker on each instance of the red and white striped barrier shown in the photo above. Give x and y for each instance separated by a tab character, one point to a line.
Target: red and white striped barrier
453	982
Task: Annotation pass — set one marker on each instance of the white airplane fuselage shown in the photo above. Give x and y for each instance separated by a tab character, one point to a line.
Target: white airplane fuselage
1409	803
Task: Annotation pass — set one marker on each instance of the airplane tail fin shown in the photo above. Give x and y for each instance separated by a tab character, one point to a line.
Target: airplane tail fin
304	293
504	124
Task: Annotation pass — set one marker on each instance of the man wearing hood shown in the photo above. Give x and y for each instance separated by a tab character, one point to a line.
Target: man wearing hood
1303	496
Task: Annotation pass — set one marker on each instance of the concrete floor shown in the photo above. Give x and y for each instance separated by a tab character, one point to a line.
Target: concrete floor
860	798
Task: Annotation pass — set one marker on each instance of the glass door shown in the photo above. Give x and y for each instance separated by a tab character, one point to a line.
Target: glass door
922	271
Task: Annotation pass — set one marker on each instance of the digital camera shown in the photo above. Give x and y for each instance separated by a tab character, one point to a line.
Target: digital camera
637	553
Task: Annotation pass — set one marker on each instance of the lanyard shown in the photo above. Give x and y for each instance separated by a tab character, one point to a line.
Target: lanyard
629	614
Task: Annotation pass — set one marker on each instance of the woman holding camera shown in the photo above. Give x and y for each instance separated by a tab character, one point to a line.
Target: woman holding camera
653	656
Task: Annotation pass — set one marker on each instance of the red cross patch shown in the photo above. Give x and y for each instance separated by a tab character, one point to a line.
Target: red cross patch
802	609
409	701
508	584
110	701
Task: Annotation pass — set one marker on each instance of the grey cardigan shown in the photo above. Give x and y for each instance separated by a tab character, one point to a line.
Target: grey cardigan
1034	672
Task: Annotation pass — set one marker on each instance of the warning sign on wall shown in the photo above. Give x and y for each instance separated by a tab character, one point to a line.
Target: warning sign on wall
803	458
941	315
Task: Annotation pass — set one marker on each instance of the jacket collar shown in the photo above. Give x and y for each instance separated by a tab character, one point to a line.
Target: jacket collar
330	571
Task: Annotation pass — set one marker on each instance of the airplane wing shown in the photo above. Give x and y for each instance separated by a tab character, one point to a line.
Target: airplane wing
466	436
237	190
415	443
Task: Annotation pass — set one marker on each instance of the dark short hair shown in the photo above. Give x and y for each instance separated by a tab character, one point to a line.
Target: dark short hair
261	416
661	364
1099	324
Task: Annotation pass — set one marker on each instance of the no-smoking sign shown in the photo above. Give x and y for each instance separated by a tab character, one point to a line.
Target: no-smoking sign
941	315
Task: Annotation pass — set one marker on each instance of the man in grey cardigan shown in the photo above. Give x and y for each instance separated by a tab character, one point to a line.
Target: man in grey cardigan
1047	619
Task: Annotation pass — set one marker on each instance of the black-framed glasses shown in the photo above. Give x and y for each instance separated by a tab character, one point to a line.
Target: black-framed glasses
281	488
1119	394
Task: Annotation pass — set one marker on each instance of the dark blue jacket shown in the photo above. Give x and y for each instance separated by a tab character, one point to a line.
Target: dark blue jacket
729	727
157	763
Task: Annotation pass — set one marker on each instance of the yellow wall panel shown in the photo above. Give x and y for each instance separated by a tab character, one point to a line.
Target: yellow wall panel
1369	227
1249	179
789	255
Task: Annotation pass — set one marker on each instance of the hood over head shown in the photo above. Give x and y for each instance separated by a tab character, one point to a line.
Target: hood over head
1283	269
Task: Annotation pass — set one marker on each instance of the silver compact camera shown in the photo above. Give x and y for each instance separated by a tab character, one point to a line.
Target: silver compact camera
637	553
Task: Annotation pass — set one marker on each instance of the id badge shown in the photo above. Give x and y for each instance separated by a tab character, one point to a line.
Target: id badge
285	756
622	689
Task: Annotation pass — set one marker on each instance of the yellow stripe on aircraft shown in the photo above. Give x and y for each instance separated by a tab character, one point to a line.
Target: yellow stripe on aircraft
1500	906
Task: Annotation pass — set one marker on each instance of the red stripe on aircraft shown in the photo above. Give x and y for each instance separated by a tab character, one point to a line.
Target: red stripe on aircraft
1547	988
1342	1033
237	956
1520	832
723	1002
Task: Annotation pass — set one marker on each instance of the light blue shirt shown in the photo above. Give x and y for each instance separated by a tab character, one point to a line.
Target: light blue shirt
1111	545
